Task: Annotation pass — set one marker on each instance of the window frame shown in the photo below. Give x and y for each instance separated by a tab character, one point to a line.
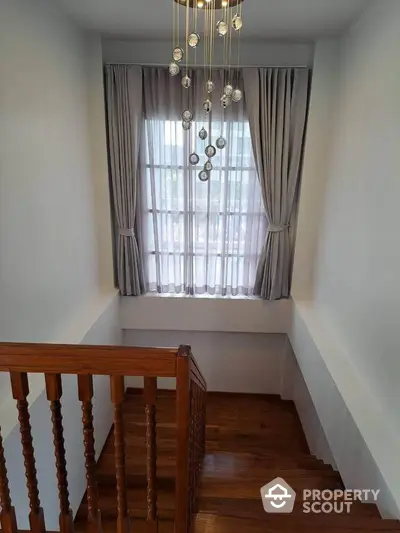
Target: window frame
187	168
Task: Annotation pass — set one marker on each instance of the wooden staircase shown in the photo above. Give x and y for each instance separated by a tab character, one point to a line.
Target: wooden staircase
250	441
166	466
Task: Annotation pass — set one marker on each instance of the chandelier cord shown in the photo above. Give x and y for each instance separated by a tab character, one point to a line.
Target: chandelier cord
223	30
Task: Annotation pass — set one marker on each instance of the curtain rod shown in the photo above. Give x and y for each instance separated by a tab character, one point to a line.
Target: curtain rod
202	66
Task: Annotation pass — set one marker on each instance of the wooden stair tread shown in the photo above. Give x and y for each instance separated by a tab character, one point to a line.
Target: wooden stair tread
138	525
250	441
250	487
207	523
253	509
216	486
240	463
299	478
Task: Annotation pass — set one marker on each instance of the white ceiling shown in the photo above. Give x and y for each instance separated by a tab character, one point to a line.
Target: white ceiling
263	19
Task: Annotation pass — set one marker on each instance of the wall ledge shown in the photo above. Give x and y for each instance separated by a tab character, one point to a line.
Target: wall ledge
319	353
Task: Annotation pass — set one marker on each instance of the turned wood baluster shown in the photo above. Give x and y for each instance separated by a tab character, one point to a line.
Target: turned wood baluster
54	394
7	514
117	397
20	391
85	394
150	395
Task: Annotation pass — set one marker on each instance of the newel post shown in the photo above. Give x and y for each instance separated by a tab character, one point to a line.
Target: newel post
182	518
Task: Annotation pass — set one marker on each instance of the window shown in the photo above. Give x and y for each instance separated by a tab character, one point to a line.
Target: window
201	237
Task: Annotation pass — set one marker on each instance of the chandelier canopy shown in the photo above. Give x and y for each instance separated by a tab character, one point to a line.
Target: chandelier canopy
215	4
212	29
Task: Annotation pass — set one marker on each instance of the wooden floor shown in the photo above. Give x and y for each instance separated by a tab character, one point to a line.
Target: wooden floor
250	441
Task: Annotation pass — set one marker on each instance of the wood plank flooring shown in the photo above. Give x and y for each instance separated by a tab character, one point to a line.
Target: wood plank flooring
251	440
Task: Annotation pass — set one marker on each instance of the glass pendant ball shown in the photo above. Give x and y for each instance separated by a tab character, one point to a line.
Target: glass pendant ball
228	89
237	95
203	134
186	82
187	115
210	86
186	125
177	54
207	105
210	151
208	166
226	101
204	175
194	159
222	28
174	69
193	40
220	143
237	22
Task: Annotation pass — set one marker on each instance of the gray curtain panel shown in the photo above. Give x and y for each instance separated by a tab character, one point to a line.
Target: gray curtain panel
124	89
276	100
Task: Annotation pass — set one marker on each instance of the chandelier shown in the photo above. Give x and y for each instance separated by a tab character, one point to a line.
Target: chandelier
221	22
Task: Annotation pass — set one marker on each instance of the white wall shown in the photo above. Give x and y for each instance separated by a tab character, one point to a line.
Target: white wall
99	162
238	342
230	362
344	329
245	315
358	263
255	53
55	251
48	258
294	388
355	430
322	109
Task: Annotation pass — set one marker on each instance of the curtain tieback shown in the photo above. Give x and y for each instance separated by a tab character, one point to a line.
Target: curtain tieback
126	232
276	228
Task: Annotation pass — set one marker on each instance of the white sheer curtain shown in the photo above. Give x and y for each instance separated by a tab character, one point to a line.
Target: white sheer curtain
199	237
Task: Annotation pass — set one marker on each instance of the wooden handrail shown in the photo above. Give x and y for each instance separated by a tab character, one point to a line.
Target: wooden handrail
80	359
53	360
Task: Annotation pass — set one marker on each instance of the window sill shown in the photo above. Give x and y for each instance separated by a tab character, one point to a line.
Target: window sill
199	296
